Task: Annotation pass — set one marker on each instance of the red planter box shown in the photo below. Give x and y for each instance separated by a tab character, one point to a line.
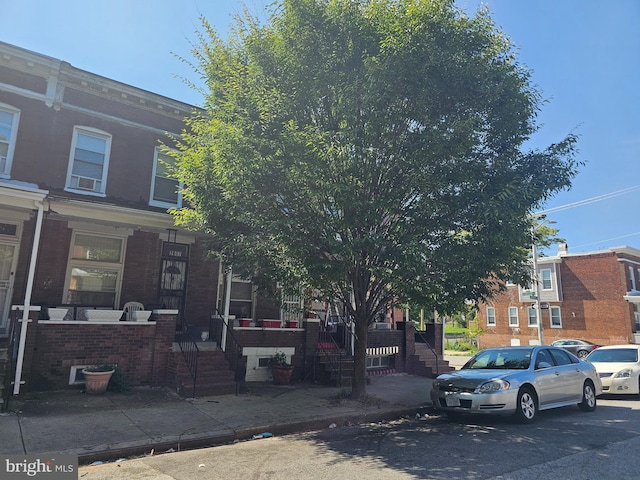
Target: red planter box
244	322
271	323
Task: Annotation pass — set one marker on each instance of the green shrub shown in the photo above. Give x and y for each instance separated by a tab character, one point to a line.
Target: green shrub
118	382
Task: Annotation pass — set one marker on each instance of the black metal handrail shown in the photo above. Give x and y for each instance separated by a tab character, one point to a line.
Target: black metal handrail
423	339
329	348
191	354
232	351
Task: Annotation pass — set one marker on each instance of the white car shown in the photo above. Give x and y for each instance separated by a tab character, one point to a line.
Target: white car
618	367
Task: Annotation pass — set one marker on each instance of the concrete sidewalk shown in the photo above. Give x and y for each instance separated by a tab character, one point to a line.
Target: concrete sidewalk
115	425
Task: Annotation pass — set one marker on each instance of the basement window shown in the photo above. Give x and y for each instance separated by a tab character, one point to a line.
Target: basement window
76	377
263	362
379	361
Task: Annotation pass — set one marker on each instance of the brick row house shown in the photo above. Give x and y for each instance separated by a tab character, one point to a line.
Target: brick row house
593	296
84	225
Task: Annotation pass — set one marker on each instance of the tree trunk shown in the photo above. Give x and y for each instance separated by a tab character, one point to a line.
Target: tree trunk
359	384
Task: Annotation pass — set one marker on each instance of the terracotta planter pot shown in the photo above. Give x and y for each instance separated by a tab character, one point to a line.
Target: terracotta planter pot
281	375
96	383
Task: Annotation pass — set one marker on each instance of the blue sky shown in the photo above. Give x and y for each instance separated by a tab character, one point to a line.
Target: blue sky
584	55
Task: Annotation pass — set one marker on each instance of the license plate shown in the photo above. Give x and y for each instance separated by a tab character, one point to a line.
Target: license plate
452	401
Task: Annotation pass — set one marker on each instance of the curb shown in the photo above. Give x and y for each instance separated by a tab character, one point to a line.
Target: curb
205	441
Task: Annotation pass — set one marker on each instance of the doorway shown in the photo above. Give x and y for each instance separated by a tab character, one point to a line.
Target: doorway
8	259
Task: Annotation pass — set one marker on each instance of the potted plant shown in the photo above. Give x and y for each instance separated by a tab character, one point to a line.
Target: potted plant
281	370
97	378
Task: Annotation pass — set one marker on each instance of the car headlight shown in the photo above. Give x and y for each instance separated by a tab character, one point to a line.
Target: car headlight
626	373
493	386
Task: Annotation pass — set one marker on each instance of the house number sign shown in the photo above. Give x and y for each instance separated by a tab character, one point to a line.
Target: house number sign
176	251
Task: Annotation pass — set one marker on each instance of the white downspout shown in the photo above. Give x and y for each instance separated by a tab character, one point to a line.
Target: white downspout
27	299
227	301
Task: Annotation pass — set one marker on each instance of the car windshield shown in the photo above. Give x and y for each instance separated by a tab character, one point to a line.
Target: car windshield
614	355
504	359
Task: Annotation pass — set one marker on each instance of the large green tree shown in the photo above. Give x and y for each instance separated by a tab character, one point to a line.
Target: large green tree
371	150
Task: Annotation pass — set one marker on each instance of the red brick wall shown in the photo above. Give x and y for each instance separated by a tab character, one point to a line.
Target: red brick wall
592	306
45	135
140	350
48	286
141	277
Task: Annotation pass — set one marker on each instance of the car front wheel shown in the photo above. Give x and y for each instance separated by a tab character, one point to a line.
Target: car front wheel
526	407
588	403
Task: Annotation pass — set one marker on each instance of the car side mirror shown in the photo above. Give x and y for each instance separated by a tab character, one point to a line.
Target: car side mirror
544	365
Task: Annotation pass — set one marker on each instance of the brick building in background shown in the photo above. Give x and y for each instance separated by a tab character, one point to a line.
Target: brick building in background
593	296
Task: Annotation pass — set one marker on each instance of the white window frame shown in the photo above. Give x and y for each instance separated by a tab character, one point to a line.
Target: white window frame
117	267
159	203
530	311
513	313
8	161
90	132
237	279
632	277
491	316
543	280
555	319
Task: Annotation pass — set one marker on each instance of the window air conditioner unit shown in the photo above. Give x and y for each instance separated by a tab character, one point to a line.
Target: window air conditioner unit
85	183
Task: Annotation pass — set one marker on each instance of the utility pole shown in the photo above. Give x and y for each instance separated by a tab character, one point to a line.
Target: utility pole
536	287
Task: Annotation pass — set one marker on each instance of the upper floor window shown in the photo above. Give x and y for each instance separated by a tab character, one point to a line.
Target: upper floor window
89	161
632	277
532	314
165	191
513	316
546	279
9	117
491	316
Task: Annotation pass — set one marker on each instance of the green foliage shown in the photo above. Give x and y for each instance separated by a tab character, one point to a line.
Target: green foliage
279	359
455	330
368	150
105	367
461	347
118	382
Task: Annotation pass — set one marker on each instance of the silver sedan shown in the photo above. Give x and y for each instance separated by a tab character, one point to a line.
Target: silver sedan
518	380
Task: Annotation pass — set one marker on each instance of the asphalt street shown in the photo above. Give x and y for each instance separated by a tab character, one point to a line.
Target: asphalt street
564	443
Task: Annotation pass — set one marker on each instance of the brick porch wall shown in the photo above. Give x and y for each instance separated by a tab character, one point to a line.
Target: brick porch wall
141	350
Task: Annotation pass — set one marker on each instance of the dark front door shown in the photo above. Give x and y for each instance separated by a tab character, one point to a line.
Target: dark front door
173	278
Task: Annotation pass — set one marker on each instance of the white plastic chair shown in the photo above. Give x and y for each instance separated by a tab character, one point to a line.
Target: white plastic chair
131	307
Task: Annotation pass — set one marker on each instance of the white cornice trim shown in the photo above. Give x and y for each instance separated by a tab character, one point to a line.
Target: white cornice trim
20	196
113	215
43	98
626	250
110	213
